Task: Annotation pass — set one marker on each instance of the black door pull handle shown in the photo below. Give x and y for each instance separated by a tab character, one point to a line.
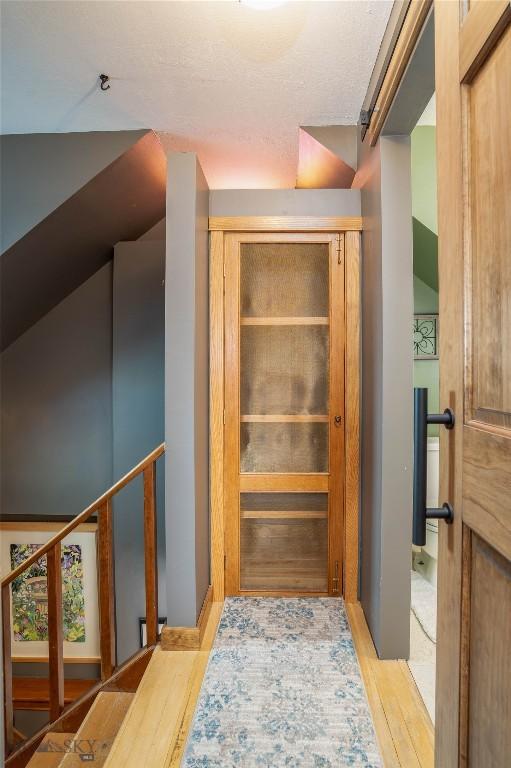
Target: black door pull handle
421	419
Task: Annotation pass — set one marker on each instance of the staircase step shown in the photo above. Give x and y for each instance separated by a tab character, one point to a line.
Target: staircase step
152	724
97	732
51	750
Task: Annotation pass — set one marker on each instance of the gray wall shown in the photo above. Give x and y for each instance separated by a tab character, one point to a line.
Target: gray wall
387	359
372	386
57	406
82	402
40	171
387	376
138	421
284	202
186	390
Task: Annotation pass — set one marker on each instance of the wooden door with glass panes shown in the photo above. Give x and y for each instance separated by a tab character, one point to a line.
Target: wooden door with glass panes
284	412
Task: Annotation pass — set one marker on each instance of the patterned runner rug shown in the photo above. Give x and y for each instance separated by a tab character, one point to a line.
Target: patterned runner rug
282	688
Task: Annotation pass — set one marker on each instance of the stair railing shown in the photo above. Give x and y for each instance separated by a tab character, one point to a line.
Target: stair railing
106	594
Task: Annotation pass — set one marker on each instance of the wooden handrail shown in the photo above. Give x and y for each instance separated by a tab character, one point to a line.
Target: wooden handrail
105	564
84	516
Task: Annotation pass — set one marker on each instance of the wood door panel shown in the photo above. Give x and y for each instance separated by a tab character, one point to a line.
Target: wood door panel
490	238
284	554
487	486
481	28
489	676
473	82
287	483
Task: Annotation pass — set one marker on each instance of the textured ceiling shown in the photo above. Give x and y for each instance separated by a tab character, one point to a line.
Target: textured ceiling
221	78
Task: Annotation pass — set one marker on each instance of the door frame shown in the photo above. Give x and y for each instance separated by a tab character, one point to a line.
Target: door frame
351	228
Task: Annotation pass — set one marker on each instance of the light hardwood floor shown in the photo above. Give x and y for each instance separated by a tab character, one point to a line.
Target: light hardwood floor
155	729
403	727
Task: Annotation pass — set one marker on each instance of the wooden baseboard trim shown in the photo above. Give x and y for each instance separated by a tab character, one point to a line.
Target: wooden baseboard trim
188	638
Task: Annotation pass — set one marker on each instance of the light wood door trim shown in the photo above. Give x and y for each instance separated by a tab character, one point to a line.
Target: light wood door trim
415	18
280	483
232	413
284	321
336	409
352	417
318	483
285	223
482	27
216	411
275	418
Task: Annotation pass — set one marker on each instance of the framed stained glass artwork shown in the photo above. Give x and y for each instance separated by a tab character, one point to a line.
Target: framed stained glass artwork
425	337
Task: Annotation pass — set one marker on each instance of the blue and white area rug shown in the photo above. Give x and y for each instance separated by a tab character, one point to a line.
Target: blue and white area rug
282	688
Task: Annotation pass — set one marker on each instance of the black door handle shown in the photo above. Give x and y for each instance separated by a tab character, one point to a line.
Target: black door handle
421	419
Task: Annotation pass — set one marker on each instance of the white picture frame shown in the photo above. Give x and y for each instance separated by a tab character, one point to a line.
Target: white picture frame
38	533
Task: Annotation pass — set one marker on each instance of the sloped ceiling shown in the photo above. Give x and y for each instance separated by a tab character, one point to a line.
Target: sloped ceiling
40	171
69	245
221	78
319	167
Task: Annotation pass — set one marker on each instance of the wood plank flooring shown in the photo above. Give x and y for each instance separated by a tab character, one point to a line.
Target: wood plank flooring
403	727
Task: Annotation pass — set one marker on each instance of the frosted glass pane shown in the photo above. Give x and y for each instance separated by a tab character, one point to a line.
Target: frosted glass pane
284	369
284	447
284	279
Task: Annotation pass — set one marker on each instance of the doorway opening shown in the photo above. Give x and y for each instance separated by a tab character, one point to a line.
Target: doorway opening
424	561
286	382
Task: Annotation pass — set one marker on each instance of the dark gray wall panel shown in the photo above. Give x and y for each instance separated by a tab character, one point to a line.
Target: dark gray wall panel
186	403
57	406
387	376
202	549
77	238
138	420
371	427
41	170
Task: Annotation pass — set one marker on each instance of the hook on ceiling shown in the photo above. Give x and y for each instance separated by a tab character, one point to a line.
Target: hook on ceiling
104	80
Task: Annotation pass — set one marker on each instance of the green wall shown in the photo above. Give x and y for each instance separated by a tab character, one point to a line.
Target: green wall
425	253
424	176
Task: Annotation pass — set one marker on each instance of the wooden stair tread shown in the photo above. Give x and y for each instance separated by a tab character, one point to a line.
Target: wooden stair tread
99	729
152	724
155	729
51	750
33	692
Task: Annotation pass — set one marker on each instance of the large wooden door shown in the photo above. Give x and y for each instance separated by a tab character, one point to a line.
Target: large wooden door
473	74
284	412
